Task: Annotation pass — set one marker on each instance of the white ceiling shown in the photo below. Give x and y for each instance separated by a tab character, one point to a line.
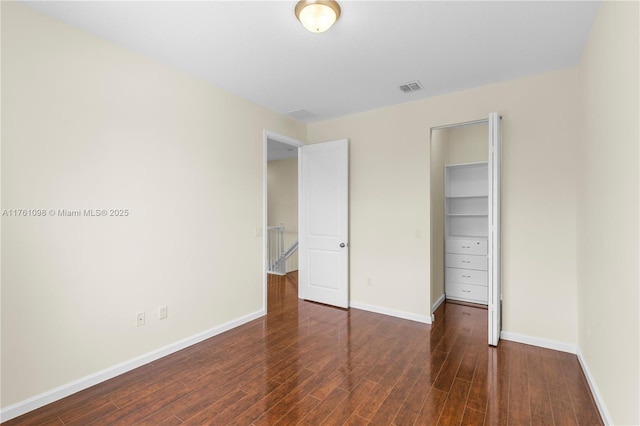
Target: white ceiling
280	151
258	50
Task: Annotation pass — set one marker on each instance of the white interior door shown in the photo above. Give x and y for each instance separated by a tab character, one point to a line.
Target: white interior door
323	226
495	287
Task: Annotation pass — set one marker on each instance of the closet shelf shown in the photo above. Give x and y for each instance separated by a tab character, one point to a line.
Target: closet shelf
466	196
467	237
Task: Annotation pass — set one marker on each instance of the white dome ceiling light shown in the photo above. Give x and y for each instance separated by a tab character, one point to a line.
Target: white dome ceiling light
317	16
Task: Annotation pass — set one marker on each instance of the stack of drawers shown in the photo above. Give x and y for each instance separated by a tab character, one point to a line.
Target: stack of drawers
466	269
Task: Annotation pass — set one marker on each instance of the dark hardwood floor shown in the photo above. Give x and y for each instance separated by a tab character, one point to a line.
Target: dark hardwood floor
310	364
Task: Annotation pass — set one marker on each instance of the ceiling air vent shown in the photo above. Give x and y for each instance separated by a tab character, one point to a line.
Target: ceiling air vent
412	86
300	114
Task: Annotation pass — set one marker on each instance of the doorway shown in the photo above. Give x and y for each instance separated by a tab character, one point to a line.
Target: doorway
280	215
465	217
322	201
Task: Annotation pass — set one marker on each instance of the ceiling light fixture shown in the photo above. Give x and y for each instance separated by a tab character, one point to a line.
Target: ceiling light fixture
317	15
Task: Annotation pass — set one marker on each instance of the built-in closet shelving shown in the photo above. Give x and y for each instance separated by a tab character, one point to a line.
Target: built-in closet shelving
466	230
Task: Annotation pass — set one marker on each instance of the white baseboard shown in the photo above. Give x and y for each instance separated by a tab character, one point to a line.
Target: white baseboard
63	391
602	408
438	302
426	319
538	341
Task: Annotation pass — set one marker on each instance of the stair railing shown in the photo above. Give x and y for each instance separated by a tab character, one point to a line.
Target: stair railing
277	254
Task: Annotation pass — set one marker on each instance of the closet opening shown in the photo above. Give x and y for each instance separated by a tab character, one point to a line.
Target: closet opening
465	231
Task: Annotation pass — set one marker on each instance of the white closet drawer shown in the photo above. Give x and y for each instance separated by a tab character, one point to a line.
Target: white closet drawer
466	276
471	246
466	261
473	293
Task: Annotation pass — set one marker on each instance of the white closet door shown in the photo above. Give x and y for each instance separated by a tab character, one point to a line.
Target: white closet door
495	287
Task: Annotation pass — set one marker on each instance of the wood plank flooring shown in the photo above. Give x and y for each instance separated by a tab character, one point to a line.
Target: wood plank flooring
310	364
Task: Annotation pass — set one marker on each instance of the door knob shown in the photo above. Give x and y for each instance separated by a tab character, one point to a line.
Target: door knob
342	245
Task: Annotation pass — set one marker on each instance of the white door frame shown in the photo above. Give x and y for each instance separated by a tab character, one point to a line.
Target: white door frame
269	135
494	235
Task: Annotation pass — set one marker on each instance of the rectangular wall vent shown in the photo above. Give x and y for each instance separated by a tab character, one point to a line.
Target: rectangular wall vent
412	86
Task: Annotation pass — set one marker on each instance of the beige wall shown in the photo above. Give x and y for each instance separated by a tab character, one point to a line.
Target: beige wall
89	125
389	187
282	190
608	212
437	158
468	144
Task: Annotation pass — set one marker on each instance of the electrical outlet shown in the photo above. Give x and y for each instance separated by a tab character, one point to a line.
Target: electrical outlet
139	319
162	312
